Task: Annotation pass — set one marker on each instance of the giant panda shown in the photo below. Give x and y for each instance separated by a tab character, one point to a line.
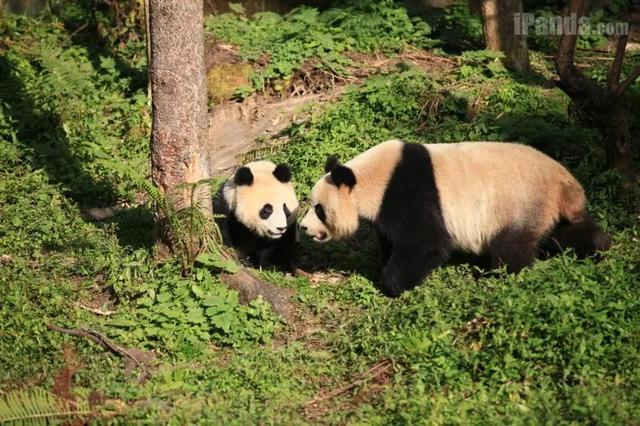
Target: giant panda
498	199
257	211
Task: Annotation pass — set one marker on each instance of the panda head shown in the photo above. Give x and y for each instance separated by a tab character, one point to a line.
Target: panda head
262	198
333	213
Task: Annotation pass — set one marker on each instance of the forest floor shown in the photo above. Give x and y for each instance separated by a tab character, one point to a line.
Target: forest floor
557	343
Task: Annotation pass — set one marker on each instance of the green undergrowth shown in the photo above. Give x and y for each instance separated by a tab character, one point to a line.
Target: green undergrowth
286	42
182	316
74	109
554	344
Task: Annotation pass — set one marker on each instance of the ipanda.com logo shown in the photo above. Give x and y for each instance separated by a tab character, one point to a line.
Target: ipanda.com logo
527	23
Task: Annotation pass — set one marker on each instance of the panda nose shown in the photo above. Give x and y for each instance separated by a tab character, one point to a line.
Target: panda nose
281	228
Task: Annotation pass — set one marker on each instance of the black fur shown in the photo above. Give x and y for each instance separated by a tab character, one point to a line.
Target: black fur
282	172
414	239
517	248
260	251
319	210
341	175
584	236
243	176
331	163
513	248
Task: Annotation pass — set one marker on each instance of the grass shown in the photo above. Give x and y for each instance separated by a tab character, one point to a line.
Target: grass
554	344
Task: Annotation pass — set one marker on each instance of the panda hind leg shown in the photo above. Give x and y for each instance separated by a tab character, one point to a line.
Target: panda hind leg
385	247
408	266
514	249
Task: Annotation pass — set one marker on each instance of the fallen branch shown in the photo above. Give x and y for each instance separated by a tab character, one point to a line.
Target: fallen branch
375	371
250	287
138	357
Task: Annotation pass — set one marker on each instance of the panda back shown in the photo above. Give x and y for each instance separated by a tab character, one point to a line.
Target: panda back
486	187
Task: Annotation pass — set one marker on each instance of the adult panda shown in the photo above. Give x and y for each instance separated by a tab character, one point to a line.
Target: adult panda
500	199
257	211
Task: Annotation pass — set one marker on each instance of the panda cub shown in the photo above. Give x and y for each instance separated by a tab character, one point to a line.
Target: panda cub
499	199
258	209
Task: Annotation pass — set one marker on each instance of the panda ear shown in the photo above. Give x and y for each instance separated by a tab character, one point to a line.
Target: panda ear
243	176
342	175
282	172
331	163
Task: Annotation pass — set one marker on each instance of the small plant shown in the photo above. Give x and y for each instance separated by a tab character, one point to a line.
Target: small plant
459	29
192	235
188	230
481	64
38	407
181	315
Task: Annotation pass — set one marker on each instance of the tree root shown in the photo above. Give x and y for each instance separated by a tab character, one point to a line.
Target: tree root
134	357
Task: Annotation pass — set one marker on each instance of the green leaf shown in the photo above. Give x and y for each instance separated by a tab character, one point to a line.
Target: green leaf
195	315
207	258
222	321
197	291
212	260
170	312
145	301
213	300
122	322
164	297
237	8
227	266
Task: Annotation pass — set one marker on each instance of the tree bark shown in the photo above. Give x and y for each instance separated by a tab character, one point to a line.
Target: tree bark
498	23
179	101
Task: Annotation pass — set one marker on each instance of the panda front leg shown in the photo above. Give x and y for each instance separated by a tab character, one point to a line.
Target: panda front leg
283	253
408	266
385	247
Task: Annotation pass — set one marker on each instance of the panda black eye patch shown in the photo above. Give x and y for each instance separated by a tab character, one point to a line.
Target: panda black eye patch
320	212
266	211
287	212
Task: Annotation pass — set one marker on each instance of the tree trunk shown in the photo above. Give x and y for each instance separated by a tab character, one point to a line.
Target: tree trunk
490	24
597	105
498	24
617	138
179	101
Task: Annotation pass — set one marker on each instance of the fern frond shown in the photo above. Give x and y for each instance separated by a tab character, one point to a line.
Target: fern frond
190	232
58	71
37	406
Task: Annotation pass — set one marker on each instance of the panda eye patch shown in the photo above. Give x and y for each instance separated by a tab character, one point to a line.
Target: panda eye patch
287	212
266	211
320	212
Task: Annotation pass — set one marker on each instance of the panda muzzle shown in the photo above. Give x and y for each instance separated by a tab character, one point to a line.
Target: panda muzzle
318	236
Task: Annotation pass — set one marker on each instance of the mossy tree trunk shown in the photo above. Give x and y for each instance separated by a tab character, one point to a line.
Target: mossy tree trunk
597	105
498	24
179	102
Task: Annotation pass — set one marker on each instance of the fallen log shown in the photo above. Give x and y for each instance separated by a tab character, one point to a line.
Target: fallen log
250	288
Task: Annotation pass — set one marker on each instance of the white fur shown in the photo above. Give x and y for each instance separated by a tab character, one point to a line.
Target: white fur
246	201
